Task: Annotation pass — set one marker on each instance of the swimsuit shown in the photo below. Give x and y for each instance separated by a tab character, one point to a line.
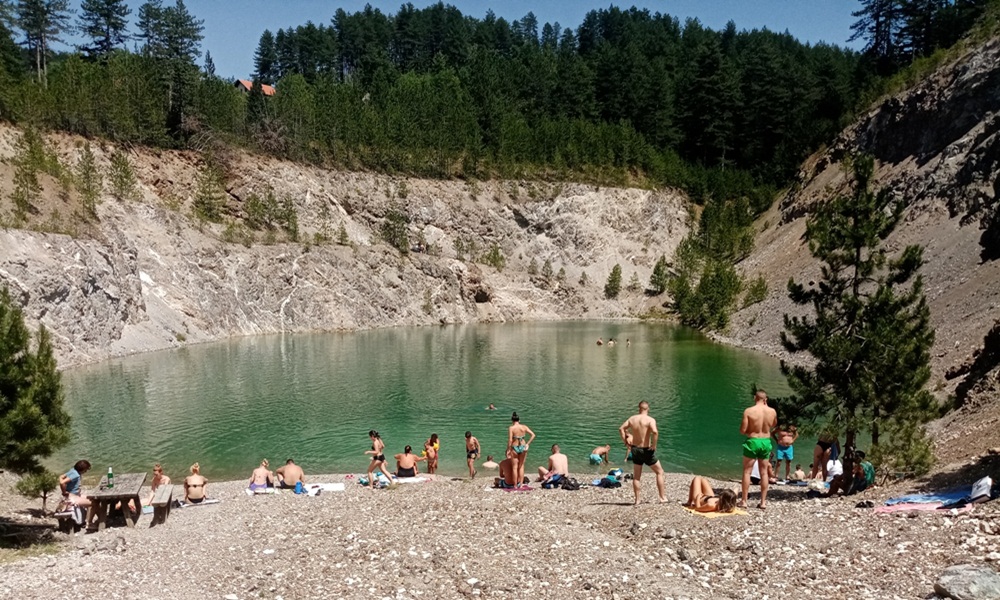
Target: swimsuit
644	456
785	452
759	448
411	472
196	500
824	445
378	457
257	486
519	448
595	459
472	454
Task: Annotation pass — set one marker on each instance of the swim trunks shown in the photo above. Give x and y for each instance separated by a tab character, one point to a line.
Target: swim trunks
786	452
644	456
595	459
471	454
195	500
759	448
411	472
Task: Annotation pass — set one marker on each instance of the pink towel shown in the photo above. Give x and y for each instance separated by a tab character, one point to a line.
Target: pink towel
923	506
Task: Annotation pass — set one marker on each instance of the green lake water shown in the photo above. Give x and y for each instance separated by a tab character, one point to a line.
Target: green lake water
313	397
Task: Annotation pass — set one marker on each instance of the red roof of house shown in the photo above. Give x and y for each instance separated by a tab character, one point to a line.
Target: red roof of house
248	85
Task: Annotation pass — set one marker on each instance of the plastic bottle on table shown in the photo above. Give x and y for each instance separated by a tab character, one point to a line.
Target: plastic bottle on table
111	478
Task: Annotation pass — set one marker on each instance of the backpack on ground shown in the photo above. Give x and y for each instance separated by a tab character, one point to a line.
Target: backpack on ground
570	484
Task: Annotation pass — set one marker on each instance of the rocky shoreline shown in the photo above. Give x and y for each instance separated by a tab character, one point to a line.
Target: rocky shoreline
456	538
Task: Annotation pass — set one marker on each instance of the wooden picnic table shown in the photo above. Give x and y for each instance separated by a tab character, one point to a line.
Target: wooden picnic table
103	499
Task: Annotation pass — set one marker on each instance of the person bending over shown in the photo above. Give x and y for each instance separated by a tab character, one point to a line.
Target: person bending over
702	498
599	455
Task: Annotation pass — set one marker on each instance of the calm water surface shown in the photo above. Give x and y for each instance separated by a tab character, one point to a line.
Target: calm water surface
314	397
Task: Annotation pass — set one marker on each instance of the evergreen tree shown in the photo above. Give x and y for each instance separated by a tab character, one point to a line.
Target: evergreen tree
88	180
614	284
105	22
33	423
43	22
870	334
38	485
658	280
124	185
878	25
265	59
209	64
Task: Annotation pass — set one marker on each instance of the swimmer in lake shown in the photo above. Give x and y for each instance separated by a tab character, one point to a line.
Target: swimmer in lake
491	407
600	341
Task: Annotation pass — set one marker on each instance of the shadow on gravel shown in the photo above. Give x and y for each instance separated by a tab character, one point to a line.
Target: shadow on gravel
615	503
963	476
19	535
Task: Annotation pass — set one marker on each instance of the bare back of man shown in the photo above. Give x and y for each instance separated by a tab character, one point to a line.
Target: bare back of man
644	436
558	465
758	422
290	474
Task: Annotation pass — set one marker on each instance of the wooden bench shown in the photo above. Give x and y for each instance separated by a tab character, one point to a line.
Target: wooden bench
162	500
67	522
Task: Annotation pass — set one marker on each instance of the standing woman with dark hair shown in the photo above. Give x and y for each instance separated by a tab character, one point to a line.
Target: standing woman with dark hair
518	446
378	458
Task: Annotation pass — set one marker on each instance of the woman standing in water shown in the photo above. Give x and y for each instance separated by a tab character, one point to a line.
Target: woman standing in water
518	446
378	458
431	448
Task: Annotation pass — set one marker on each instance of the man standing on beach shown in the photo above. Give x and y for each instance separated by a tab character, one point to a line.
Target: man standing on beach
758	422
642	428
471	452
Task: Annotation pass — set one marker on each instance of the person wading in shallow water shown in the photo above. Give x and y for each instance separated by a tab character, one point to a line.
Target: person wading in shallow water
640	431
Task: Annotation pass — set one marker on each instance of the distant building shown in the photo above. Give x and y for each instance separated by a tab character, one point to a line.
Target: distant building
245	85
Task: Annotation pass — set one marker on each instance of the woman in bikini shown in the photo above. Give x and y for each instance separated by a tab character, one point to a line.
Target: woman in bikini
406	463
702	498
158	479
827	447
194	486
518	446
431	449
378	458
261	478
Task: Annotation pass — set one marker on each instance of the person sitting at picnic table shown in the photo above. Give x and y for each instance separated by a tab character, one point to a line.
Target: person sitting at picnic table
702	498
194	486
158	479
406	463
261	478
69	484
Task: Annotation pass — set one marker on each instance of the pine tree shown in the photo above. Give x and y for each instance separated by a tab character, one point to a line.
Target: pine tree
209	64
870	335
658	280
265	59
878	25
208	199
38	485
88	180
124	185
43	22
547	269
33	423
614	284
105	22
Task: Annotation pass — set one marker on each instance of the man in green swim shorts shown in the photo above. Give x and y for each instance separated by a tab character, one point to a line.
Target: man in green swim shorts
758	422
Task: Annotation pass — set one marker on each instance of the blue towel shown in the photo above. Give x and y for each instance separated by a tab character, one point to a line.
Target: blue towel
943	497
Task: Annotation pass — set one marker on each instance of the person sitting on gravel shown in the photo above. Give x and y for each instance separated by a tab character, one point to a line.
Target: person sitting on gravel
863	475
557	469
799	474
406	463
599	455
702	498
508	478
289	475
261	478
69	484
194	486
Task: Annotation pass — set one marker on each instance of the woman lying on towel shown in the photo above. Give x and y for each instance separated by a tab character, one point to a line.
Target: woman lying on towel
406	463
702	498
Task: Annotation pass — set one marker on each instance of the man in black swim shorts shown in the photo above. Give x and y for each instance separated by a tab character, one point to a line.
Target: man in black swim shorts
642	428
471	452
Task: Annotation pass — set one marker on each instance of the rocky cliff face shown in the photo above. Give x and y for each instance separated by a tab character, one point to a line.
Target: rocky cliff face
937	146
147	276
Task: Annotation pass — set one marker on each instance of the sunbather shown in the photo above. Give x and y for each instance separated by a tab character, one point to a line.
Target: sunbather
158	479
194	486
702	498
289	475
406	463
261	478
508	477
558	466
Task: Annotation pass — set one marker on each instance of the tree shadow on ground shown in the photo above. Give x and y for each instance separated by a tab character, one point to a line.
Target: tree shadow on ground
16	534
964	476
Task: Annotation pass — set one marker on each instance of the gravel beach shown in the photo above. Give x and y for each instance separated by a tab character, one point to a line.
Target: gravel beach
453	538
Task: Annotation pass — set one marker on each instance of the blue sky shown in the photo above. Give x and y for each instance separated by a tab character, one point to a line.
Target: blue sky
233	27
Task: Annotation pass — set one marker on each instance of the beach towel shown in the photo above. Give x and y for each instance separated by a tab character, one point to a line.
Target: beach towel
259	492
313	489
410	479
931	498
713	515
183	504
921	507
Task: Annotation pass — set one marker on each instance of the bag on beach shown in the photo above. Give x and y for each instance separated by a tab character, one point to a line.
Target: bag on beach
570	484
610	482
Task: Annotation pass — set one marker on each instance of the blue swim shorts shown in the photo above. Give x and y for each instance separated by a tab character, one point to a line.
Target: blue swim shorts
786	452
595	459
